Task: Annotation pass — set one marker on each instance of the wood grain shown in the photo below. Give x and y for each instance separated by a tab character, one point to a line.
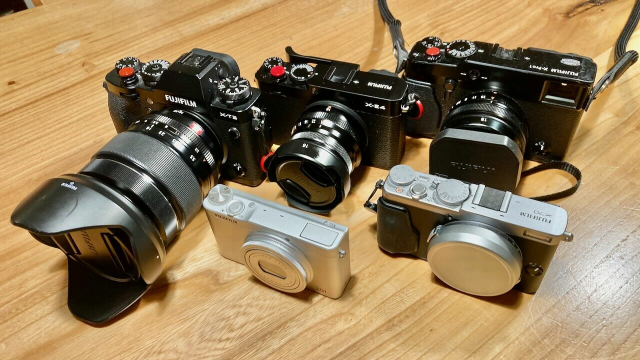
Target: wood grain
53	115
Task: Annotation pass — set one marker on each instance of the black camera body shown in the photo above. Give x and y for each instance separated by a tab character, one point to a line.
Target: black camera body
329	117
530	99
204	85
377	98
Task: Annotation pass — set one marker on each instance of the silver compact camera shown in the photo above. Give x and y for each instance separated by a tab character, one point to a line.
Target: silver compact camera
478	240
284	248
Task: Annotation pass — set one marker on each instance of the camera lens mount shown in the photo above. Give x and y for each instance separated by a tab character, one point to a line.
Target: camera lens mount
313	168
474	258
276	262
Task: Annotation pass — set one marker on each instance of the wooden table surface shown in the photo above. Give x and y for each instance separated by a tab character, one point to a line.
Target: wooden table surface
53	116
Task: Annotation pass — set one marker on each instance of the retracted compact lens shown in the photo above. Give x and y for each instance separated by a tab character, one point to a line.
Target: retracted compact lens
277	263
115	218
313	168
474	258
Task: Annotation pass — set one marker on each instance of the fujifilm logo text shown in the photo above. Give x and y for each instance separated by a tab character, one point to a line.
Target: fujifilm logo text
181	101
379	86
543	219
226	218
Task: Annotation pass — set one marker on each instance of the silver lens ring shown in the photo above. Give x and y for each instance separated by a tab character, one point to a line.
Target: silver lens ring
474	258
276	263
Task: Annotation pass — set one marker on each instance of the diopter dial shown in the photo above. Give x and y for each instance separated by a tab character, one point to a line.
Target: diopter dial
461	49
234	88
128	61
273	62
152	71
300	73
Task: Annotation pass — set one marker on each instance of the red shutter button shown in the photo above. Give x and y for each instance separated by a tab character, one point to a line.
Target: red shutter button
277	71
433	51
126	72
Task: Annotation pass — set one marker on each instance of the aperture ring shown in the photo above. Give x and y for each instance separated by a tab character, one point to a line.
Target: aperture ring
332	145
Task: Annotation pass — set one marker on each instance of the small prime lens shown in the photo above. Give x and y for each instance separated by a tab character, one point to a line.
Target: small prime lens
326	145
489	112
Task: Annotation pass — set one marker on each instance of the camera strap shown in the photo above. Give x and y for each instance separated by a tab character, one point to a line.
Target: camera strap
556	165
624	59
399	50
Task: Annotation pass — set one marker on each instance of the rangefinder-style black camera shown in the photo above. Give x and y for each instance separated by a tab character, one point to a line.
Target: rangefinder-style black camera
329	117
179	126
488	107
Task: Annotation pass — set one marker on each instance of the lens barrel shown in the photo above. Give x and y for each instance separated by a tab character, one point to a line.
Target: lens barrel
326	145
489	112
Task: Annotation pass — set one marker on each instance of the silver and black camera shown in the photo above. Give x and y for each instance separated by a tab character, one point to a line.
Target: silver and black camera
478	240
284	248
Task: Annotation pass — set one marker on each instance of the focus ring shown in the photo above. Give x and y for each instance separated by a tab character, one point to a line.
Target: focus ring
162	164
324	139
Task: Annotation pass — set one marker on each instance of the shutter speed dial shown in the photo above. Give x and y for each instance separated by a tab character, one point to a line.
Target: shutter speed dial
128	61
461	49
152	71
234	88
301	72
273	62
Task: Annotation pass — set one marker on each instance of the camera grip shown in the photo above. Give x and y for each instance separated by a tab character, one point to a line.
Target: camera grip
396	234
124	111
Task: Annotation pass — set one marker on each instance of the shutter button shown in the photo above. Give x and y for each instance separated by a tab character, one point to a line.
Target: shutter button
235	207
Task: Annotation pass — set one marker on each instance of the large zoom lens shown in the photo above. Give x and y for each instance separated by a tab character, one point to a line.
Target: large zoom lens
115	218
482	140
313	168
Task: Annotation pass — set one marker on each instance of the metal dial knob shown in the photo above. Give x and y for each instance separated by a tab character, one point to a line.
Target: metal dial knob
431	41
128	61
461	49
452	192
153	70
234	88
272	62
402	175
220	195
301	72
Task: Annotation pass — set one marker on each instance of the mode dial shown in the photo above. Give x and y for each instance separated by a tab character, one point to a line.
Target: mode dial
234	88
152	71
461	49
272	62
128	61
301	72
431	41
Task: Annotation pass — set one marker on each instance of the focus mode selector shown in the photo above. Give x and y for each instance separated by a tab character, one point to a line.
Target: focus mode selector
152	71
461	49
452	192
234	88
402	175
272	62
220	195
300	73
128	61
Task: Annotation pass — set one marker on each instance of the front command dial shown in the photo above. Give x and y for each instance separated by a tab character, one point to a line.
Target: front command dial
152	70
301	72
273	62
234	88
461	49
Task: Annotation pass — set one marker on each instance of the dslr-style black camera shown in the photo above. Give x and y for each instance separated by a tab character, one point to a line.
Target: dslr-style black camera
488	107
202	85
180	127
329	117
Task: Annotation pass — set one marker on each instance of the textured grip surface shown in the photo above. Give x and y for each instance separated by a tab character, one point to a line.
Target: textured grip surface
396	234
427	125
386	140
124	111
163	165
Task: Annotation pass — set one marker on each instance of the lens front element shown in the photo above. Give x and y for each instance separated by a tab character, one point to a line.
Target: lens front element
474	258
276	262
